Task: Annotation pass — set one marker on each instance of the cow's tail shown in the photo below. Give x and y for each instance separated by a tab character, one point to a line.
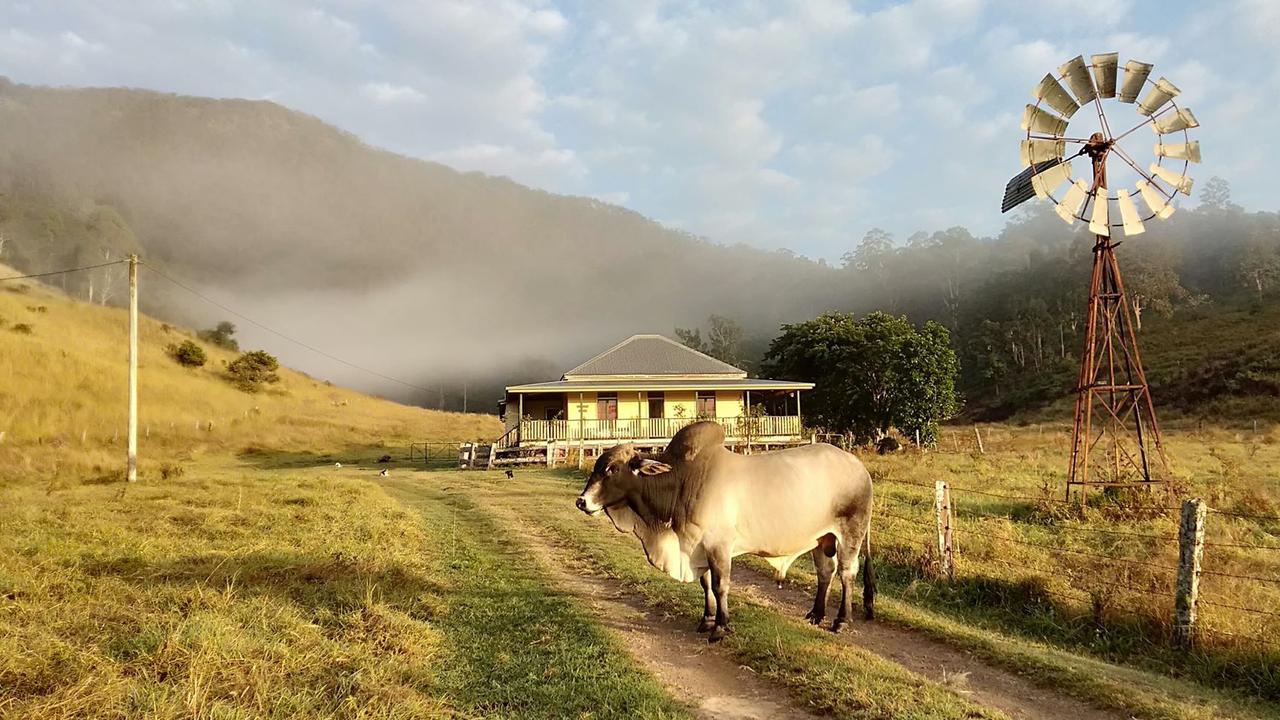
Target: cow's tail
868	577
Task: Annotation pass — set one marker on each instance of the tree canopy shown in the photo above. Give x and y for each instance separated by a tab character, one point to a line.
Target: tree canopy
872	374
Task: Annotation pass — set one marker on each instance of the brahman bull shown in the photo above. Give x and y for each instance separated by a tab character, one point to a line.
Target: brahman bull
698	505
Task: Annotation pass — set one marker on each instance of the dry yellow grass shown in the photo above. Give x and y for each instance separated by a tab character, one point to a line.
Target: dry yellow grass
252	578
63	398
1099	579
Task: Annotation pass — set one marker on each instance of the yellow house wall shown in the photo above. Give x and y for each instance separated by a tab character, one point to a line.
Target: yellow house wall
678	399
631	404
728	403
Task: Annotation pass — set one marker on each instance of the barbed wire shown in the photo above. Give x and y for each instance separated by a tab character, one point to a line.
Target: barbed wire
1065	528
1244	515
1052	549
1219	573
1243	546
1214	603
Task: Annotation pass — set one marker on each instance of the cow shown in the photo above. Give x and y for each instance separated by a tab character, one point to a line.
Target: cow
697	505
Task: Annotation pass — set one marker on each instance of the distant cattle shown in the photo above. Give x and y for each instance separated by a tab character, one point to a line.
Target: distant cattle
697	505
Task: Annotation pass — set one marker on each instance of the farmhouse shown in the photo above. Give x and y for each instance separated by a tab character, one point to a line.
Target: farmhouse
643	390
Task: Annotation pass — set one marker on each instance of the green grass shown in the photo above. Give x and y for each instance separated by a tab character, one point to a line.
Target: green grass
822	673
1012	636
240	591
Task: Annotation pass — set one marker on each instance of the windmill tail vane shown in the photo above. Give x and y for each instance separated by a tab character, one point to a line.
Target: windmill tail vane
1116	438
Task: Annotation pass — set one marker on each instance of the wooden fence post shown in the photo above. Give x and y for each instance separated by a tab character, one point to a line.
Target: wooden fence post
493	456
551	460
1190	551
978	435
942	513
464	455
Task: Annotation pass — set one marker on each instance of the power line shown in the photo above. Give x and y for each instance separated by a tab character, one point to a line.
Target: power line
279	334
61	272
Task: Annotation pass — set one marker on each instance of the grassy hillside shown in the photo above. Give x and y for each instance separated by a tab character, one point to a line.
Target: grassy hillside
63	398
1217	363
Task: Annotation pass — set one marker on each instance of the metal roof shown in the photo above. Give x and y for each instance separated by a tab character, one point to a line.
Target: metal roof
652	356
659	384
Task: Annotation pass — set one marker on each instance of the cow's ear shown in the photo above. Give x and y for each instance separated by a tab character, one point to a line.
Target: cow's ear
646	466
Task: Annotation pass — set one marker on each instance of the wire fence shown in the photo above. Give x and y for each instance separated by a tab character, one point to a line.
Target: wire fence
1108	572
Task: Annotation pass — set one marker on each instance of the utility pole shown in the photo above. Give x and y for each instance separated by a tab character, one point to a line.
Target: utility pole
131	472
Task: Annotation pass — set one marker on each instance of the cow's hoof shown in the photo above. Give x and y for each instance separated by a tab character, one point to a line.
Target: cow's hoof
718	634
815	618
707	625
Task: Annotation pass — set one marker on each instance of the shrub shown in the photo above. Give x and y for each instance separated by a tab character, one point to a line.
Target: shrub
188	354
22	328
171	471
252	370
221	336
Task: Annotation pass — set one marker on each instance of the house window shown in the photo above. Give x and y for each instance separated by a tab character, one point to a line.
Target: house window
706	404
607	406
657	404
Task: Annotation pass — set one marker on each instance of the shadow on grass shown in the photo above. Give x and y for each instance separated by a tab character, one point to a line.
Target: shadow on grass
338	582
369	457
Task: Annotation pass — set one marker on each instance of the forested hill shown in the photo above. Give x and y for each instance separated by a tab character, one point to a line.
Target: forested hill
440	277
410	266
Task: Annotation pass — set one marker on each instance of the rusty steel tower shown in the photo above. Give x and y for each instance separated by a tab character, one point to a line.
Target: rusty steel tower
1115	441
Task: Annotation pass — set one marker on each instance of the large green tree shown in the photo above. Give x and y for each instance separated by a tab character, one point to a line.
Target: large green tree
872	374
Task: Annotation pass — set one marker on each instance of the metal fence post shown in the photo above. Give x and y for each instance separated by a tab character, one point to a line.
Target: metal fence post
942	514
1190	552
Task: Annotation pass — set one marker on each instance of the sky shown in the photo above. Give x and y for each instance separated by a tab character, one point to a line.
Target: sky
782	124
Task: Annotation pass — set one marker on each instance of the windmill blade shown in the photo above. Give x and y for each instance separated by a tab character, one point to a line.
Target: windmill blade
1181	120
1158	203
1049	91
1180	182
1048	180
1076	73
1038	151
1020	187
1069	208
1163	92
1135	76
1185	151
1036	120
1104	73
1098	223
1129	214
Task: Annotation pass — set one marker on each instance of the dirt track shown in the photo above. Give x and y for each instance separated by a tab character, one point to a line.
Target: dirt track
708	680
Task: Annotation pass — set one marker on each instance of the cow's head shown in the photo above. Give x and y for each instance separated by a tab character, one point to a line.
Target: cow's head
618	472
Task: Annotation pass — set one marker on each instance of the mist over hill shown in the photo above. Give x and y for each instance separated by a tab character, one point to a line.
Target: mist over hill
402	265
442	278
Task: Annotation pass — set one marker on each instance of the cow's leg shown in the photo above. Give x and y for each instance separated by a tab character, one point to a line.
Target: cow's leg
720	570
709	608
824	566
847	552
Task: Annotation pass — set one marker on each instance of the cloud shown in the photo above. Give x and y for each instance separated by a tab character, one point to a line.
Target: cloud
389	94
798	123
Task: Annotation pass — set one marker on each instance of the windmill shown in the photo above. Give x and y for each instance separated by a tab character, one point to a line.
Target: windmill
1116	439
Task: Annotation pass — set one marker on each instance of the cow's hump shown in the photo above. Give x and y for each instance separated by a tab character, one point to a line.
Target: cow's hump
693	439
